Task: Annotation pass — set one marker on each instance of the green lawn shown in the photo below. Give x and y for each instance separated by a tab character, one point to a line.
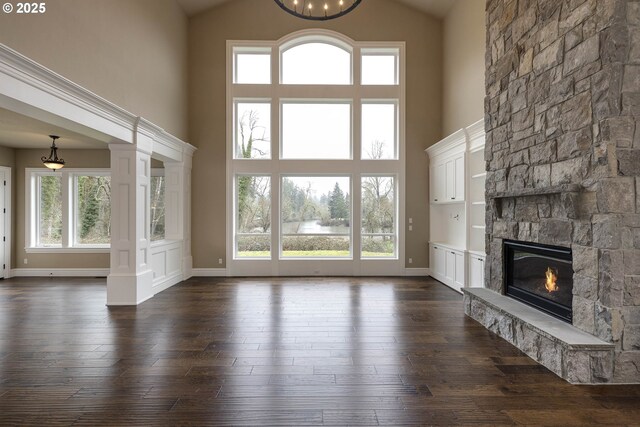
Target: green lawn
312	254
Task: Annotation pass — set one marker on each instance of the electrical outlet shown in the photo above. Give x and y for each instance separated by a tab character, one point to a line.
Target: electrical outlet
411	228
220	261
410	260
26	261
410	220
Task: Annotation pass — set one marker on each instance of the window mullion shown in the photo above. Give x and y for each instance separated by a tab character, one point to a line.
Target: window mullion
68	219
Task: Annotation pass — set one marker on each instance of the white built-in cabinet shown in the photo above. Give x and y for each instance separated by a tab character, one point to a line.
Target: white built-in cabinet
457	208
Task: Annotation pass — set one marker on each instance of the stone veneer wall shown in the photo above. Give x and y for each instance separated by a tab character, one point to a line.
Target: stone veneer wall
562	113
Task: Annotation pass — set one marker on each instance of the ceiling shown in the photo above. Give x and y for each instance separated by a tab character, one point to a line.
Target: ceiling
20	131
437	8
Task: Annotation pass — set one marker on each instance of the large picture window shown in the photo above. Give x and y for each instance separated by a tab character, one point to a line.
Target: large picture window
316	159
69	209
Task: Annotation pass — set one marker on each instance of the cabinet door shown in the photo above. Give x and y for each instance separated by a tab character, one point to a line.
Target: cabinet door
438	261
459	178
450	178
476	272
459	277
438	181
450	267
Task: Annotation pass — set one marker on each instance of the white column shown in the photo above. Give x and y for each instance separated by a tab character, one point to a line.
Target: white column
178	207
131	276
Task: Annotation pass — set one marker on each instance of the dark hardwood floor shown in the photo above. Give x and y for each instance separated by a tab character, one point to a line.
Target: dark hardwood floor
300	351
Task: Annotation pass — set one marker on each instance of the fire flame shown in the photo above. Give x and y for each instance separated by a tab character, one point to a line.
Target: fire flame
551	283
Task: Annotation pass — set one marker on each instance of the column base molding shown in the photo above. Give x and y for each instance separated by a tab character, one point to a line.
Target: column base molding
128	289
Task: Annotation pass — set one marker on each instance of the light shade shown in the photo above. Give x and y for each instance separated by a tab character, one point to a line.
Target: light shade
318	10
53	162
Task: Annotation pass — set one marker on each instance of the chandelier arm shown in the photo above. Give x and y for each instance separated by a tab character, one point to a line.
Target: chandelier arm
324	17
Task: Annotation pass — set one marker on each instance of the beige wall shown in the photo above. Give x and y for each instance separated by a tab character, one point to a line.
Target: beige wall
7	157
31	159
131	52
376	20
463	54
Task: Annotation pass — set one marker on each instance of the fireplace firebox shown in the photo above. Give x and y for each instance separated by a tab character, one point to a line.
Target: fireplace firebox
540	276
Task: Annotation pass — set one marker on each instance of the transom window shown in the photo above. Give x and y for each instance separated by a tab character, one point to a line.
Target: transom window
316	164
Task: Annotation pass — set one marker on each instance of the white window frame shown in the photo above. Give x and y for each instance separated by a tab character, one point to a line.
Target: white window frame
356	167
69	202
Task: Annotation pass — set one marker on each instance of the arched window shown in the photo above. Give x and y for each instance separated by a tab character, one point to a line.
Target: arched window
316	159
316	63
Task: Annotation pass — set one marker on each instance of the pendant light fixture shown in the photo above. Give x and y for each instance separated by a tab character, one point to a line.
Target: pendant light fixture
318	10
53	162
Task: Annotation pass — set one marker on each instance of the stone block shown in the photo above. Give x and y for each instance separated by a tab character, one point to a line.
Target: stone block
542	176
587	204
632	262
616	195
577	365
586	52
631	315
584	314
582	233
604	321
526	212
571	171
606	232
585	287
631	80
544	210
549	354
611	278
522	24
627	367
585	261
575	143
634	49
628	162
614	44
543	153
526	63
631	103
636	238
633	13
549	57
572	38
601	366
555	232
632	290
576	16
518	177
519	158
577	112
619	130
631	341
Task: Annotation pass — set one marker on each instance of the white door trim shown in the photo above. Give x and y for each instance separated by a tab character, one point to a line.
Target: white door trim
5	176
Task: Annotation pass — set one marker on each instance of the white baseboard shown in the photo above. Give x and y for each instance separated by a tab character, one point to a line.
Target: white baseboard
209	272
166	283
417	272
59	272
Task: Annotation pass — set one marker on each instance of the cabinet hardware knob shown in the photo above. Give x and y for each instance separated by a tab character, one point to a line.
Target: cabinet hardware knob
453	198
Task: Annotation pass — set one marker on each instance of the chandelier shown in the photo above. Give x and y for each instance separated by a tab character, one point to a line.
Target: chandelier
318	10
53	162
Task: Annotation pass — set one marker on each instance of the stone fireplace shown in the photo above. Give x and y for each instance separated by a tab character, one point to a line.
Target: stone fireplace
562	114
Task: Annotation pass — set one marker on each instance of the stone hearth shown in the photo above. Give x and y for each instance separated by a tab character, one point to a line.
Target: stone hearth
563	163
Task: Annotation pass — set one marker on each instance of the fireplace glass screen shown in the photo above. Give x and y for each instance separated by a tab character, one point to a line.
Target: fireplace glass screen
540	276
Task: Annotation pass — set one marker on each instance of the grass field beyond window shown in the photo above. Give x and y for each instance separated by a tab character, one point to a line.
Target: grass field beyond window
312	254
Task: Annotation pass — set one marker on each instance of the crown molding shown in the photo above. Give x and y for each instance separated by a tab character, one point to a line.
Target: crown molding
26	86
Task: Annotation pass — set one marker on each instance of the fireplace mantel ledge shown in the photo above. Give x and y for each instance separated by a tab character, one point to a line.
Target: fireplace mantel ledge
530	192
542	323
